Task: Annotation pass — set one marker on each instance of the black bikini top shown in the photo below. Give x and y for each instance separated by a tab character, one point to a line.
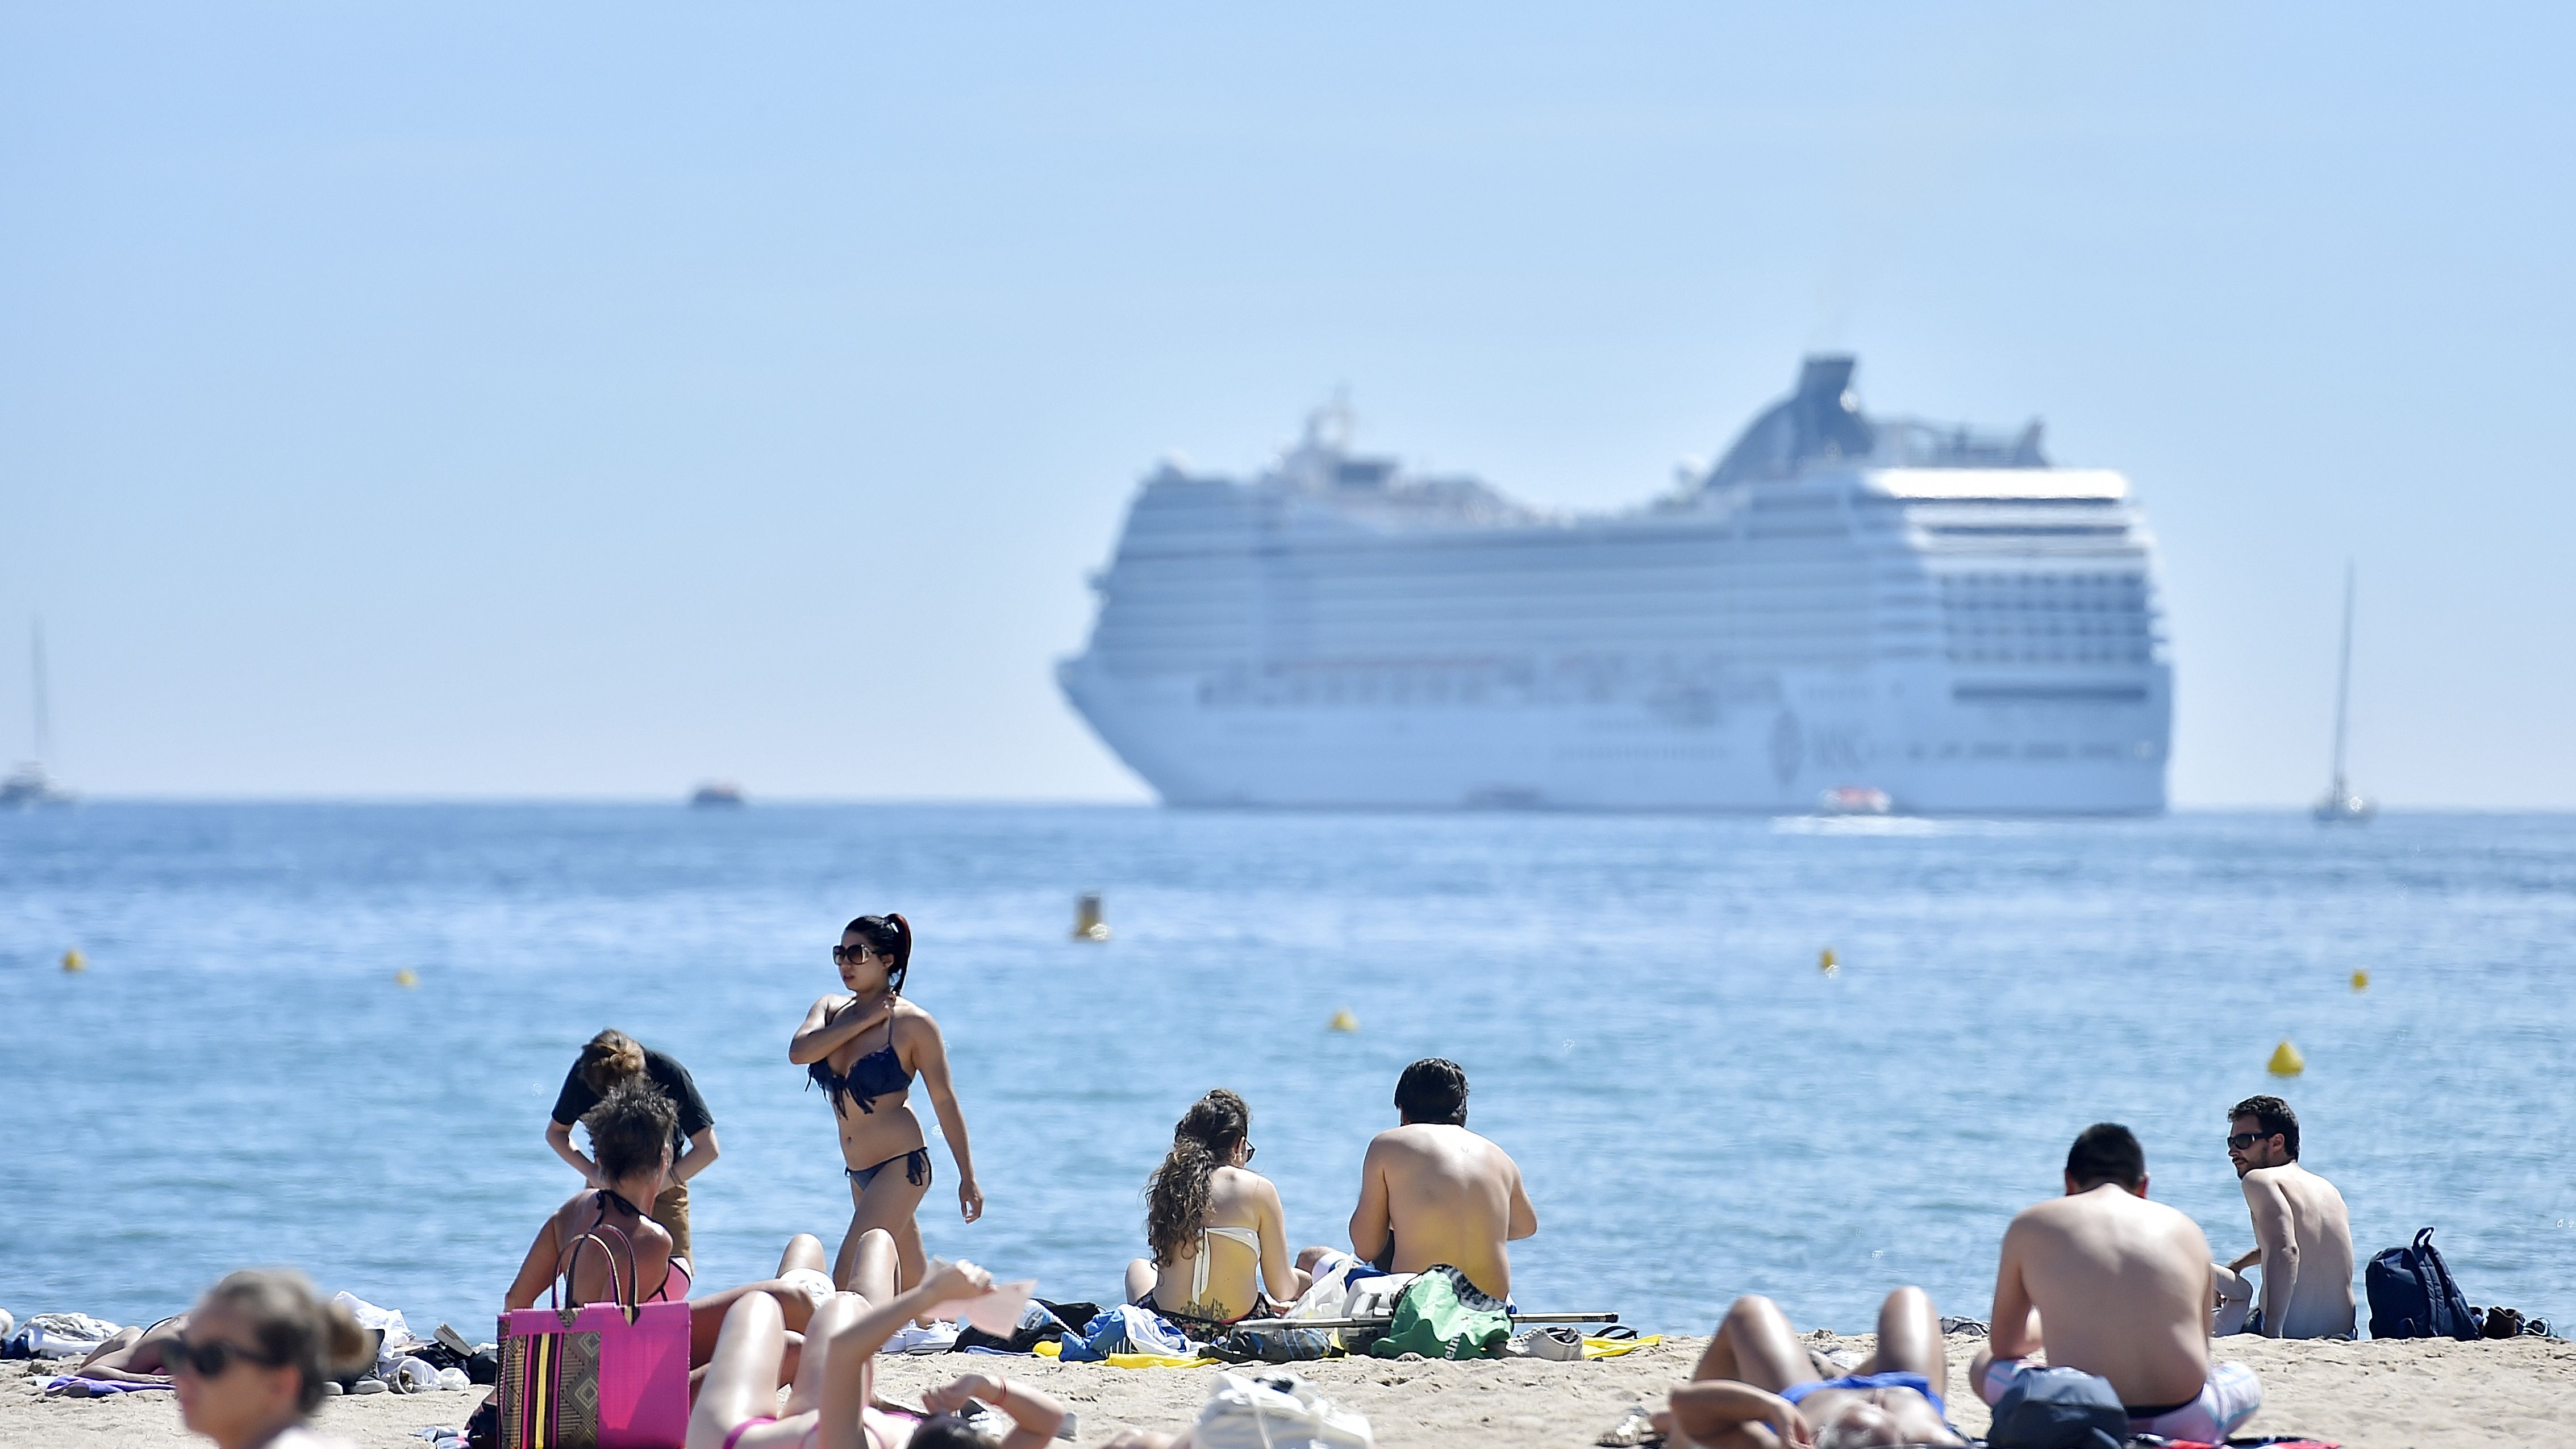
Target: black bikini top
878	1074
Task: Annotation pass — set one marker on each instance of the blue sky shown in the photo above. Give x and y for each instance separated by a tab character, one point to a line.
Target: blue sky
581	400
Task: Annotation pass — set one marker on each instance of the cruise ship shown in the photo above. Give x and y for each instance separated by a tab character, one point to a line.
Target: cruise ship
1846	611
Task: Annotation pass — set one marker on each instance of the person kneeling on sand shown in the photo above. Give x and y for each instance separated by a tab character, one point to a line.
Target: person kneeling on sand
630	1136
1758	1387
2121	1287
2302	1235
1433	1192
258	1349
831	1403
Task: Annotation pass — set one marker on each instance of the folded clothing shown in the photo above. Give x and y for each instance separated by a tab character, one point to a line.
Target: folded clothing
58	1335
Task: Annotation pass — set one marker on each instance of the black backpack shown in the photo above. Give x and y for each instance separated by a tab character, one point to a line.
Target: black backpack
2059	1408
2412	1294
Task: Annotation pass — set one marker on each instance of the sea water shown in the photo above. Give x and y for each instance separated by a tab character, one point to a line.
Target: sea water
237	1078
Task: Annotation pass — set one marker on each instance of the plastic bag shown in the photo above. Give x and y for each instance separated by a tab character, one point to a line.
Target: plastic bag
1276	1411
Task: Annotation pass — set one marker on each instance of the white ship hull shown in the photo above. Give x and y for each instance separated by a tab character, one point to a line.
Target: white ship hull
1951	639
2038	759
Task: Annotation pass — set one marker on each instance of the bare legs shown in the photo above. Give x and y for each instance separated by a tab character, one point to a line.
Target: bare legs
707	1313
1754	1344
746	1364
1985	1356
1909	1339
885	1205
741	1381
1141	1277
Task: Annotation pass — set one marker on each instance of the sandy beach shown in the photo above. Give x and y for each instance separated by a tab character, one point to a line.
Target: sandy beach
2405	1394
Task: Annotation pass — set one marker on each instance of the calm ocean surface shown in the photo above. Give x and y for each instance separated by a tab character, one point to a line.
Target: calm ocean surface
1700	1112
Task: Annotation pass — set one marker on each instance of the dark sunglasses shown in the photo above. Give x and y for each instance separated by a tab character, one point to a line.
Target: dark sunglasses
209	1360
1248	1150
2242	1140
850	955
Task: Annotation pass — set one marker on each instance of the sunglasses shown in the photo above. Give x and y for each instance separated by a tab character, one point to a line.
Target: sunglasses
1248	1150
2242	1140
851	955
210	1359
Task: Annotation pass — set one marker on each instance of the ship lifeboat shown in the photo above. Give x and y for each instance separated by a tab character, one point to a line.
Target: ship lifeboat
1854	800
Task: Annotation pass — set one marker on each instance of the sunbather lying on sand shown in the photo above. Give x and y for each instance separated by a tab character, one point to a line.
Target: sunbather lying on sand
831	1404
1757	1387
134	1355
630	1134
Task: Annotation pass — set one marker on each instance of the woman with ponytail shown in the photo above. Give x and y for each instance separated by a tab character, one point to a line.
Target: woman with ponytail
1212	1222
863	1050
257	1351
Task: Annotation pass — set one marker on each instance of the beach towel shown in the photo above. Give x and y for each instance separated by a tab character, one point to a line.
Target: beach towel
73	1386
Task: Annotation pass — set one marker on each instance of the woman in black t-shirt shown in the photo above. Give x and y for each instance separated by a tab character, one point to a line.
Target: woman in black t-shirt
611	1058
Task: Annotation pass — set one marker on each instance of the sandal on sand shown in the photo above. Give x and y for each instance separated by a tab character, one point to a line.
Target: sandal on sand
1634	1427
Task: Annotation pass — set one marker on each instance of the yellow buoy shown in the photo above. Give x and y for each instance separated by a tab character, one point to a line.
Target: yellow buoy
2361	981
1826	962
406	977
1344	1021
2286	1061
74	961
1087	925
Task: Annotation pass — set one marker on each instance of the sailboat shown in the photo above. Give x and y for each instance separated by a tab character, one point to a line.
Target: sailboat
28	785
2342	804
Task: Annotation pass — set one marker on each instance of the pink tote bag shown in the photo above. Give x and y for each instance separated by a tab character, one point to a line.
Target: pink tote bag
601	1376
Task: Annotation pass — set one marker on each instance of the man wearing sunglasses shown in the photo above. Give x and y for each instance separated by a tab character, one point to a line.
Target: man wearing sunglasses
2302	1235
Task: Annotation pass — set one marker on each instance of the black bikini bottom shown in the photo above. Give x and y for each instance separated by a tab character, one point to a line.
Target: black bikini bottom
916	1169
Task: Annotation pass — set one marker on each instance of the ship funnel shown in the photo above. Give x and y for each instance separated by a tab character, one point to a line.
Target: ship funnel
1817	424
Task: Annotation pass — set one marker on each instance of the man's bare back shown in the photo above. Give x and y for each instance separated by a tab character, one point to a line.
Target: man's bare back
1445	1195
2305	1236
2121	1288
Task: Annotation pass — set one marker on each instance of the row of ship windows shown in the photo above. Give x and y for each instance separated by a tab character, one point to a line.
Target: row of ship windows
2021	582
2105	653
2033	750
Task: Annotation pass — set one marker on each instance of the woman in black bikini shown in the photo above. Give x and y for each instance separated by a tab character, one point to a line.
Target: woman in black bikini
863	1050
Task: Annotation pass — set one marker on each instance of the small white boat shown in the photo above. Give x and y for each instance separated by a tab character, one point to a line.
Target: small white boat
716	795
1854	800
2342	804
30	785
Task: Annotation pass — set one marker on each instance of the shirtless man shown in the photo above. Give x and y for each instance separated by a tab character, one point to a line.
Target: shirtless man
2302	1236
1433	1192
2121	1285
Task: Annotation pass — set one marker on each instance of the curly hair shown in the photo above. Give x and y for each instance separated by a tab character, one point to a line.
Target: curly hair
295	1327
629	1128
889	936
1176	1197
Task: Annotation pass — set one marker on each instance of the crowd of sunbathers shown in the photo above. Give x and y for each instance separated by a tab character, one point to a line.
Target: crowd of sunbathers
2124	1287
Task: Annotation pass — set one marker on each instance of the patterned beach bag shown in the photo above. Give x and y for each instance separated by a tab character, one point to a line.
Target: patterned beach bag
601	1376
